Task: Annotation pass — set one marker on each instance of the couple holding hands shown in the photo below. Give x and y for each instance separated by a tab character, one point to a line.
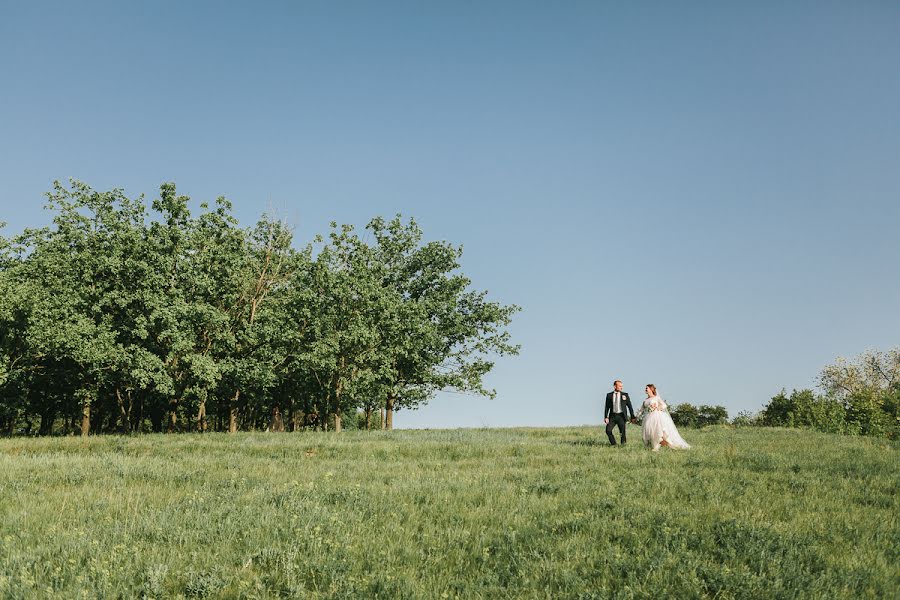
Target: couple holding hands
657	427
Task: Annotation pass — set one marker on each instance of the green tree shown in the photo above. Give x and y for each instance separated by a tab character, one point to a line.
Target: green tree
688	415
74	278
117	314
866	386
803	408
256	299
711	415
777	413
685	415
873	370
439	333
344	295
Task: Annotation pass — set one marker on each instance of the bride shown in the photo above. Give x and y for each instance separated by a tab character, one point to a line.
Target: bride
658	428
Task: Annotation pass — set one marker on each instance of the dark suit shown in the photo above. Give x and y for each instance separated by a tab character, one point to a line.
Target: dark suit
617	418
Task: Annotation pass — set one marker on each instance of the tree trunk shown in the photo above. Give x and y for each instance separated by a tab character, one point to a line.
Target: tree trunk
96	424
201	416
47	418
232	413
137	417
156	417
124	412
85	419
382	418
277	423
368	418
337	405
389	413
173	416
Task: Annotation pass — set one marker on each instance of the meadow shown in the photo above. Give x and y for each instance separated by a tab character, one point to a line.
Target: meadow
494	513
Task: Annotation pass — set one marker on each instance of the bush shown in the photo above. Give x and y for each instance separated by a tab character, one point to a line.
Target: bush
687	415
745	418
684	415
872	413
711	415
803	408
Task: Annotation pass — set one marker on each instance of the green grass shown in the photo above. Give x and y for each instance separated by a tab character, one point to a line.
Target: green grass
523	513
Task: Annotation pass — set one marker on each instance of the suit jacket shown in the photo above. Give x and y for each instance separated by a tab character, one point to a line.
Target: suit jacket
625	402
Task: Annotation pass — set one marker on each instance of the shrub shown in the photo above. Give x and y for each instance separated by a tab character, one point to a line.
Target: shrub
745	418
687	415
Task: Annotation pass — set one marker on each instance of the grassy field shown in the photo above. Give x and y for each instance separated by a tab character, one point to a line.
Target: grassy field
516	513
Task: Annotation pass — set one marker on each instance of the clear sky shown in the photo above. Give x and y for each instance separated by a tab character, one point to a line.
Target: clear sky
700	195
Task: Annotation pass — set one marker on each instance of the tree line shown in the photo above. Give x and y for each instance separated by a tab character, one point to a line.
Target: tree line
688	415
124	317
860	396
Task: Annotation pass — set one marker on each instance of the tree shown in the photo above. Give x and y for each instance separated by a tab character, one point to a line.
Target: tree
72	278
343	295
439	333
777	413
873	370
745	418
711	415
866	387
256	300
685	415
803	408
118	314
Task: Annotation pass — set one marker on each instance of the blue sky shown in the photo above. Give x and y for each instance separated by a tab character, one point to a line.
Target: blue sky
700	195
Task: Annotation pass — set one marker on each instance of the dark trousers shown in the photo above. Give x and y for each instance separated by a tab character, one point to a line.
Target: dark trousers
616	419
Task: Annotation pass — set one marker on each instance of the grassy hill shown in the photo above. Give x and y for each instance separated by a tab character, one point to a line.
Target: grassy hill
517	513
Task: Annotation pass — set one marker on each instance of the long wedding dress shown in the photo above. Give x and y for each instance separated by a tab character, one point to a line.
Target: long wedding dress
658	426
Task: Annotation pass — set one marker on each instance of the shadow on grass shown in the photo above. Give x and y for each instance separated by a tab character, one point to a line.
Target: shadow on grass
590	442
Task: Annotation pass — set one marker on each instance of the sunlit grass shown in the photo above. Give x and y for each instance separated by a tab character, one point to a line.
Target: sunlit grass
524	513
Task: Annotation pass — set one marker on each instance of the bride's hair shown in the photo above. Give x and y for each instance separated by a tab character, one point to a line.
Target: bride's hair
652	388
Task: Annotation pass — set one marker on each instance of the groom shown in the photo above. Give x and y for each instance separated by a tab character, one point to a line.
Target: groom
614	412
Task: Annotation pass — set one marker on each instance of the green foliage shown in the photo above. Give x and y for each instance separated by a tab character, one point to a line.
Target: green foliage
861	398
687	415
117	318
746	419
804	408
872	412
873	370
524	513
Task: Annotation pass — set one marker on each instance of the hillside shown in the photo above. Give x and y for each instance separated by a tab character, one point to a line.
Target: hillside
518	513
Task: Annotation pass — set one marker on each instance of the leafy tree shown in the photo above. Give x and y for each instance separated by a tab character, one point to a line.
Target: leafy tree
260	344
71	275
873	370
117	315
440	333
803	408
867	387
711	415
685	415
746	419
777	413
343	341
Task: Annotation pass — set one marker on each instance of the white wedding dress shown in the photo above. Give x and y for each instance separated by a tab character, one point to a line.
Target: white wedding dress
658	426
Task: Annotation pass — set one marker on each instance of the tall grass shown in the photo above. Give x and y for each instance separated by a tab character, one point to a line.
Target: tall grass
524	513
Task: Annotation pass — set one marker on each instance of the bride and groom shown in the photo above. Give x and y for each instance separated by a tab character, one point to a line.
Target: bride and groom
657	427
